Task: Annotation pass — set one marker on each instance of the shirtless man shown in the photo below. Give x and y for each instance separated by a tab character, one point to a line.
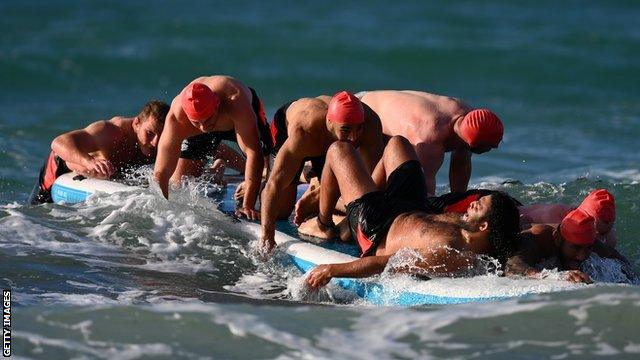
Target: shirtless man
600	204
104	148
436	124
564	246
304	130
383	222
208	110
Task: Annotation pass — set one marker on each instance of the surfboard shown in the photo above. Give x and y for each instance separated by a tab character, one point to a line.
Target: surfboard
72	188
402	290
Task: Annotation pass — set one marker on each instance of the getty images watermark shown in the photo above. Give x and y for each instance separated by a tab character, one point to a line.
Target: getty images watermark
6	323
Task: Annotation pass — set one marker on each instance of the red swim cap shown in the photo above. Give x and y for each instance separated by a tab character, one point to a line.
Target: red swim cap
345	108
481	128
601	205
199	102
578	228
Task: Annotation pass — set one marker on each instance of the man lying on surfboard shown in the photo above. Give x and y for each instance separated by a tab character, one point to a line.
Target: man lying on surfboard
385	221
567	244
104	148
304	130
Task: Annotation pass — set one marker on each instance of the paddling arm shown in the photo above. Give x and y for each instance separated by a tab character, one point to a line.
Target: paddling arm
363	267
169	150
287	162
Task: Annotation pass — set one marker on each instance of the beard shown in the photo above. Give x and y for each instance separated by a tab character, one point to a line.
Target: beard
471	225
456	219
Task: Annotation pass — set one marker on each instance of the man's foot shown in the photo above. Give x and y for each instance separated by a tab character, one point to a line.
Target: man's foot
313	227
307	205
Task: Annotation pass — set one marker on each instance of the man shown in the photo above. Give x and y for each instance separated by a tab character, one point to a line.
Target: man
303	130
104	148
564	246
436	124
383	222
599	203
207	111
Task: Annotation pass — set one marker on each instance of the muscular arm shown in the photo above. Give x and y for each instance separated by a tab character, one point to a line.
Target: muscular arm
529	252
430	157
248	140
168	153
288	160
363	267
75	148
440	261
521	264
459	170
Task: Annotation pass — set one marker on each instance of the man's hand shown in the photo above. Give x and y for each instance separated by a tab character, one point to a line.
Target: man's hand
265	247
319	276
248	213
99	168
577	276
238	195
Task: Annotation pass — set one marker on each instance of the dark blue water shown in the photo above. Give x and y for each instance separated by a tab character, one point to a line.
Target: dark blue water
134	276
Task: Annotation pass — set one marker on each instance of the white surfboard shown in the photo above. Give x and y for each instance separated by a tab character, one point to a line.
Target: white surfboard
73	188
305	256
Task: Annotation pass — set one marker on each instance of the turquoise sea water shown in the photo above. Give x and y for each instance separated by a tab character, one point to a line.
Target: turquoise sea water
135	276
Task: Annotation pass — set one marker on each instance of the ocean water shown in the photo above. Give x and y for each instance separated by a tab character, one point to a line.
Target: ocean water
134	276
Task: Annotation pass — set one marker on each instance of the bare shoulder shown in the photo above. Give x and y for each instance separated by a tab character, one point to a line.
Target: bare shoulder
102	126
325	98
321	102
220	82
306	112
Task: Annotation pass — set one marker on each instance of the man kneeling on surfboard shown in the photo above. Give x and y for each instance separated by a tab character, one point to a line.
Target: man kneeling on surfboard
303	130
383	222
208	110
104	148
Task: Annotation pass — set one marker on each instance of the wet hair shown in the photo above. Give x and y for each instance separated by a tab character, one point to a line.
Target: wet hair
156	109
504	225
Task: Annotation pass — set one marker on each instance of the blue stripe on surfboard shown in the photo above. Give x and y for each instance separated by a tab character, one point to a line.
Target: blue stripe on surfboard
67	194
375	293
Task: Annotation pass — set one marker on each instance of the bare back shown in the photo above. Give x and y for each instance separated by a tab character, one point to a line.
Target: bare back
418	116
306	126
235	103
428	122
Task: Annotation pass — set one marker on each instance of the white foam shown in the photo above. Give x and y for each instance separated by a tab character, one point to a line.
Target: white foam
104	350
632	348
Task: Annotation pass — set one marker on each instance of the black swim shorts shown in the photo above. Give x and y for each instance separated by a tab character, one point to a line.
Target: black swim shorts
53	167
371	216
